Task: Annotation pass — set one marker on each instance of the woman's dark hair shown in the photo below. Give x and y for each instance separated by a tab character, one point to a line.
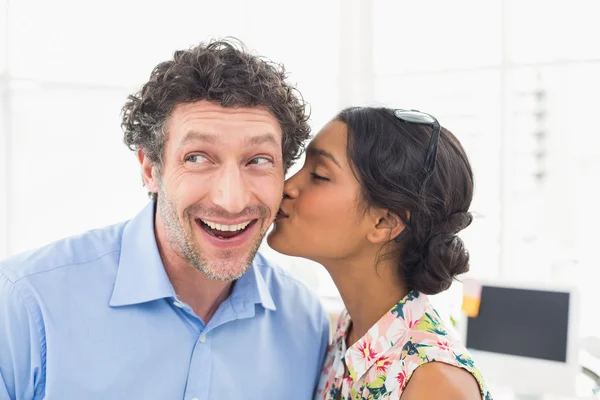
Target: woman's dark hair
387	156
221	71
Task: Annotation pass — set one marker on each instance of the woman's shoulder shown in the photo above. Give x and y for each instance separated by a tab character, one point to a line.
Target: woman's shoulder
450	383
430	348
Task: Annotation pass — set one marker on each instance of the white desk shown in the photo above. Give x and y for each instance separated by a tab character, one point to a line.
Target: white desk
584	385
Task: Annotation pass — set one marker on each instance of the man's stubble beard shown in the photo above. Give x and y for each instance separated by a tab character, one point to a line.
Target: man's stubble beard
182	242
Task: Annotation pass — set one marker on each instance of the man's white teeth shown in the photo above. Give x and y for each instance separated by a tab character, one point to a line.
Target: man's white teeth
226	228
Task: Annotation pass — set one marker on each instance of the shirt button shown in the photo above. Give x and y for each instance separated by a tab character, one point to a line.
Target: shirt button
178	304
195	398
202	340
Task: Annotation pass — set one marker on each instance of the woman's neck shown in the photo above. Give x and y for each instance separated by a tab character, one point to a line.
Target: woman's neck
368	291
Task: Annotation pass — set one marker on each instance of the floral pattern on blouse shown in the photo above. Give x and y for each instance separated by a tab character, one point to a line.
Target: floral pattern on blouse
381	363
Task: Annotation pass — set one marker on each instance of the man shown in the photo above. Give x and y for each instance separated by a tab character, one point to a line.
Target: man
176	303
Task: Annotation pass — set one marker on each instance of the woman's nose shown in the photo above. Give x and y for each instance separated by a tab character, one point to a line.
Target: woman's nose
290	189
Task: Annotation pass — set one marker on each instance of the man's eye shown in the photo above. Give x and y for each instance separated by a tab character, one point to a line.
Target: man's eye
260	161
195	158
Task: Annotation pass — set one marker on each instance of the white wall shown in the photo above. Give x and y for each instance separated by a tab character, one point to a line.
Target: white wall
67	66
71	66
4	128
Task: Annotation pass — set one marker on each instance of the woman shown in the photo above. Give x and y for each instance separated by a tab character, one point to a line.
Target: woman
378	203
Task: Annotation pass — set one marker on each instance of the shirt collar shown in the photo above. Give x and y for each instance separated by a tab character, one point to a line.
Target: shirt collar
381	337
141	275
251	287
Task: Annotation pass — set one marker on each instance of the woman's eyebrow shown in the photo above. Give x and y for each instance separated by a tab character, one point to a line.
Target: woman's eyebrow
316	152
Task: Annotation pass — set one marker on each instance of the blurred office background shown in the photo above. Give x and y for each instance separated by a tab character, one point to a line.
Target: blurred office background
516	81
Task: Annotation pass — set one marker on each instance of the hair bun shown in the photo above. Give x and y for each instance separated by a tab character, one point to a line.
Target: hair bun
432	269
445	258
455	223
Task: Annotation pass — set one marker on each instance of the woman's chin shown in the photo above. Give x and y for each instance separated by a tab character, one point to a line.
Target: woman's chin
278	242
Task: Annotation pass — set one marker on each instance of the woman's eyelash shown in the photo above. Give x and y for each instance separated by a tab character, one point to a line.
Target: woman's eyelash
318	177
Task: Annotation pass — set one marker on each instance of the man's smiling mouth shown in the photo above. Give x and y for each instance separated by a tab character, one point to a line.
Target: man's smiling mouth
225	231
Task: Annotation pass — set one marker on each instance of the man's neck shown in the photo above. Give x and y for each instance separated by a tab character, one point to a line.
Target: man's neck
203	294
194	288
368	292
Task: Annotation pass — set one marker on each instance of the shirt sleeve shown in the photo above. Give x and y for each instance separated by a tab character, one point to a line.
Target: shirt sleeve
21	371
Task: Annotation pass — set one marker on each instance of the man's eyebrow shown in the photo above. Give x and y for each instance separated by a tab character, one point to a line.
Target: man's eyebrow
195	136
316	152
257	140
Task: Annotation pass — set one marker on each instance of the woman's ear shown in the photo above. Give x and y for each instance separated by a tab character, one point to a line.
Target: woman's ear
386	226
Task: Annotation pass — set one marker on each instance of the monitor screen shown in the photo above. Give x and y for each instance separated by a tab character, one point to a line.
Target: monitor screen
521	322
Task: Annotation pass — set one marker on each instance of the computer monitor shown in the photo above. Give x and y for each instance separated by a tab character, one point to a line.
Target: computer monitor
524	338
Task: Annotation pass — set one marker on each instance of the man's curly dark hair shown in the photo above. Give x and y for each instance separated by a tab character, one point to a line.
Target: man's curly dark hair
222	71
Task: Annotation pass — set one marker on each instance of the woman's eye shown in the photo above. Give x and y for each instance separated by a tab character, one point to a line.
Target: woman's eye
196	158
318	177
260	161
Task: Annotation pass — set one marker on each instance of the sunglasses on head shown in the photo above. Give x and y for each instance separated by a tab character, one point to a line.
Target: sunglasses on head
421	118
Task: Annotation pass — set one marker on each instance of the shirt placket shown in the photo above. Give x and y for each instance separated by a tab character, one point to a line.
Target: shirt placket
200	367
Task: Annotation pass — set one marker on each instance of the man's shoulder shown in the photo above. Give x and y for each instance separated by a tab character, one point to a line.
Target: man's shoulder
285	286
275	275
70	251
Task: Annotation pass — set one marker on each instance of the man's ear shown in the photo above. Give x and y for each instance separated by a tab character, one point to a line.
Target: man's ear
386	226
147	171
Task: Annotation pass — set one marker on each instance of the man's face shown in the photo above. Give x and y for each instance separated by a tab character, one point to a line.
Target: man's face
220	185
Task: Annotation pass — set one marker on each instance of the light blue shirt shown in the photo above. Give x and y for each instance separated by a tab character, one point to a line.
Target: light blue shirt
96	317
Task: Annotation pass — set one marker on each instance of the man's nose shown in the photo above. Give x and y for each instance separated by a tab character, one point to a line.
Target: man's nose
230	191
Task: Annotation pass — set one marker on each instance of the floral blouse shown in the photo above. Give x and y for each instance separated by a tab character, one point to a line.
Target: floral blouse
381	363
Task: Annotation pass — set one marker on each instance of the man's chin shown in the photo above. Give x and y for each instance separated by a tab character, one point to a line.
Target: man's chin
228	265
226	271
